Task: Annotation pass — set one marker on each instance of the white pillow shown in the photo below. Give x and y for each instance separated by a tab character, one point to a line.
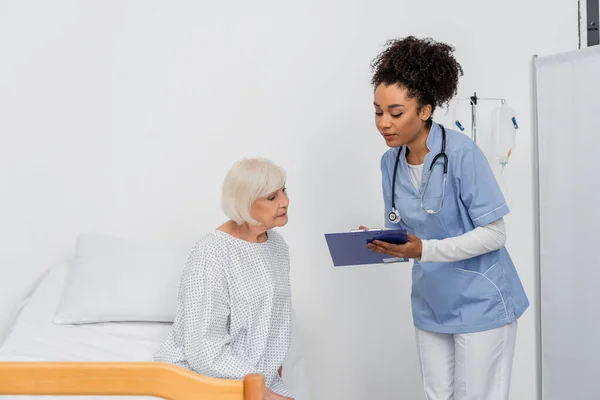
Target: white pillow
117	280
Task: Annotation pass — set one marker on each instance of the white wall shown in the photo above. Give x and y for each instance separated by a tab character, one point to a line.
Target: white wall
123	117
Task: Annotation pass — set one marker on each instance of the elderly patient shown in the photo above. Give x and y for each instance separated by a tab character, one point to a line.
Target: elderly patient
234	306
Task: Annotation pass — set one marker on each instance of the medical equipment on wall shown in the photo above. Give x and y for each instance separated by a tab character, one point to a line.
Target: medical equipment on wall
504	126
394	215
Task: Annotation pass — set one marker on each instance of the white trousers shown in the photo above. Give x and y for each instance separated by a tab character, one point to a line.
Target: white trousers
473	366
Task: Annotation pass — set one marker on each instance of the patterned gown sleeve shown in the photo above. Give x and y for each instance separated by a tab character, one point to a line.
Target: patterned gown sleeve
205	300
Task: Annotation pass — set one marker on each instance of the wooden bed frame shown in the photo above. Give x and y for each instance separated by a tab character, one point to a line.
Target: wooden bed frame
156	379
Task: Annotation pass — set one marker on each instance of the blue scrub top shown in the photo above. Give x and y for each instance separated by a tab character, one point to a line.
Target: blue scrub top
472	295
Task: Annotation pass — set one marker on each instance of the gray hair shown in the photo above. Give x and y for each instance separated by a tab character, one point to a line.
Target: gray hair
248	180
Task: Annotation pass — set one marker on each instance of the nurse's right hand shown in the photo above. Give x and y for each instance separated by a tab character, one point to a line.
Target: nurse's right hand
363	228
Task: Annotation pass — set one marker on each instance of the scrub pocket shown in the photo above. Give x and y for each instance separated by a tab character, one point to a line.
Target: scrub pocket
483	294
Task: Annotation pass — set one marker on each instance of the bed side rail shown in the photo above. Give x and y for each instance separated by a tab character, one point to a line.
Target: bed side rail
156	379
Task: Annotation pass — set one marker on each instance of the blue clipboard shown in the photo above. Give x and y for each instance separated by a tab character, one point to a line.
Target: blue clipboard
350	248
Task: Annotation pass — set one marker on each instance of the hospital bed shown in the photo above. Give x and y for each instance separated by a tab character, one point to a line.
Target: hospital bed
60	344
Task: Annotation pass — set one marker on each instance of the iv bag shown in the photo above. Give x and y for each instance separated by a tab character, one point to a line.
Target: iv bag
504	133
460	117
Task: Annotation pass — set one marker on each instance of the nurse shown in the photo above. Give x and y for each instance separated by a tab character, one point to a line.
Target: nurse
466	293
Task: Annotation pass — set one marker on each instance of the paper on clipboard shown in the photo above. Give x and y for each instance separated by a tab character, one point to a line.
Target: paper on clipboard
350	248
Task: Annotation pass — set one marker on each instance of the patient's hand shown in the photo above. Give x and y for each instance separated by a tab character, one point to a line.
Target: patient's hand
270	395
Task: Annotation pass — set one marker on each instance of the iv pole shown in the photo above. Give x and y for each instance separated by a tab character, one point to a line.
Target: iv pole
473	100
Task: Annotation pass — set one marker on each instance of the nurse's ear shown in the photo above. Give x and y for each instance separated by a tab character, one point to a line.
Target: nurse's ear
425	112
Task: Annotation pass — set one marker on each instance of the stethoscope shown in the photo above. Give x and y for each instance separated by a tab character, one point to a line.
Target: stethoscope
394	215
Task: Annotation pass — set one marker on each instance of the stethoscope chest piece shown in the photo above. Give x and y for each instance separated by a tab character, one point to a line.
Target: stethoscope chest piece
394	216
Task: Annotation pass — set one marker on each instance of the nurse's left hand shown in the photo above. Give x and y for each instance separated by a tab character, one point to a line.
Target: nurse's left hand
413	248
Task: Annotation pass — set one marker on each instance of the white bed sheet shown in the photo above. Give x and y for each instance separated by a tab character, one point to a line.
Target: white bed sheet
35	337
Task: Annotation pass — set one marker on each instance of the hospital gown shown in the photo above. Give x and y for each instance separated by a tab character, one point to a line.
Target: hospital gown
234	310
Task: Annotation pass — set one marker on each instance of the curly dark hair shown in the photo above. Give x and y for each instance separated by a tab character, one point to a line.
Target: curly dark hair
425	68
